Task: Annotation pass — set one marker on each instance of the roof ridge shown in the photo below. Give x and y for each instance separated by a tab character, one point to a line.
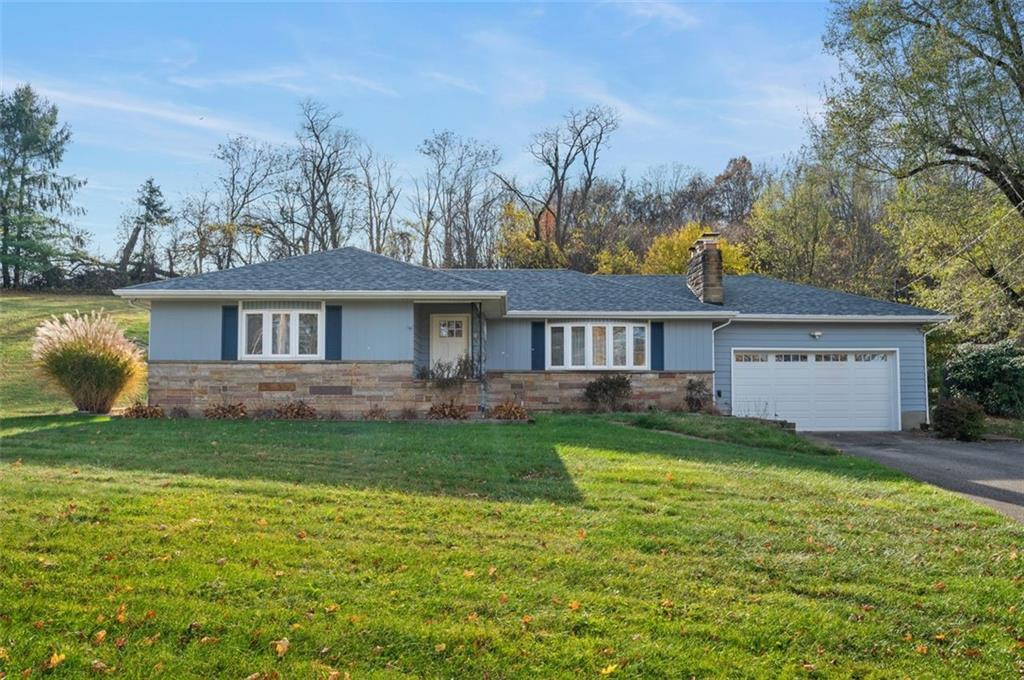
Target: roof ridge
435	270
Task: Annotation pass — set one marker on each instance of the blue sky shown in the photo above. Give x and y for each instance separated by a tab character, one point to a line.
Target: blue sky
150	89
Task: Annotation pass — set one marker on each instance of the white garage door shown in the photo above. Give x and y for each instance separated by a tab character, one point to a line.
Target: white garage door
832	390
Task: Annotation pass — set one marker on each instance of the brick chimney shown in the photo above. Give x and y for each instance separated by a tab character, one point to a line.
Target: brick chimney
704	275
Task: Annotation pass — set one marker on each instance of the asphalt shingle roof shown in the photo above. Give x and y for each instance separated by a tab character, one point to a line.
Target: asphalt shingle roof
755	294
551	290
342	269
541	290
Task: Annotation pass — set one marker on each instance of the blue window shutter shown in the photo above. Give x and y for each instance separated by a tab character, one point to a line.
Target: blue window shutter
537	346
657	346
332	333
229	333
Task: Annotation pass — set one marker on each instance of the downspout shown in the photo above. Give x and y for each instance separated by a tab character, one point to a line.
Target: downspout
927	388
714	373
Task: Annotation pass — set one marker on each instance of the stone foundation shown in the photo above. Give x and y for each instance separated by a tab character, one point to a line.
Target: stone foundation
333	388
563	390
349	389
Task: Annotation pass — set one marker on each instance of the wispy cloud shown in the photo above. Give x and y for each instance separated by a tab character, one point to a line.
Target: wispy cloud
364	83
597	93
449	80
665	14
286	78
152	110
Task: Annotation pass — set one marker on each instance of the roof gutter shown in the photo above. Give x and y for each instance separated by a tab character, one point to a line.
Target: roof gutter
159	294
847	318
607	313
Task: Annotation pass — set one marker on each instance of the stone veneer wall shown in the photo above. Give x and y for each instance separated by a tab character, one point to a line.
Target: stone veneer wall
563	390
348	389
334	388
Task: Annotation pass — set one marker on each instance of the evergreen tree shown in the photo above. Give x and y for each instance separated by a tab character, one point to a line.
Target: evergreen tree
33	194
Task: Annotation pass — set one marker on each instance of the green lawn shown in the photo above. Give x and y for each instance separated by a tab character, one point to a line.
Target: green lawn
22	389
567	548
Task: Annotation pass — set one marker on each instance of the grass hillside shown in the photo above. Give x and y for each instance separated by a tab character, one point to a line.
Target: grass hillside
23	391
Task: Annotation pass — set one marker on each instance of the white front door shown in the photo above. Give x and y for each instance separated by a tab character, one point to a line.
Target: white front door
818	390
449	337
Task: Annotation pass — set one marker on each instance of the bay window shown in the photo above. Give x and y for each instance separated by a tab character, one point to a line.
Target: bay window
281	330
597	345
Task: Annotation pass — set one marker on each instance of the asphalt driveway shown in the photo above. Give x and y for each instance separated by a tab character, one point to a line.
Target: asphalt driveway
988	472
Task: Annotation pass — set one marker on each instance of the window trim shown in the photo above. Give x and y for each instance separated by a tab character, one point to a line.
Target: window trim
293	332
588	338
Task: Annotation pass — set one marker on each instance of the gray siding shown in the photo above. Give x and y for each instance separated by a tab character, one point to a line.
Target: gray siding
421	339
508	345
688	345
184	330
376	331
906	338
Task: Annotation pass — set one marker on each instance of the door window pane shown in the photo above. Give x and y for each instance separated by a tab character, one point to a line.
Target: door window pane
557	346
307	334
254	334
579	346
280	333
599	342
618	345
639	345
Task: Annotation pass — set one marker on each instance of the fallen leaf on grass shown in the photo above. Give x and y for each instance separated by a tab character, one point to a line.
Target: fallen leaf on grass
280	647
921	649
99	667
971	652
99	637
574	605
262	522
939	586
122	613
209	640
54	661
440	647
301	535
609	669
469	573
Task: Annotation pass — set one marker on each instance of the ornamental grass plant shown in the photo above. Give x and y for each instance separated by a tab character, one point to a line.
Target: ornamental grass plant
89	357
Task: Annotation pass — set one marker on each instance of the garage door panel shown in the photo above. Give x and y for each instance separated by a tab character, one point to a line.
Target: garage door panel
825	390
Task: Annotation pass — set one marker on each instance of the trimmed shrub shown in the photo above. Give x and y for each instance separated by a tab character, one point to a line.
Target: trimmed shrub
294	410
89	357
992	375
698	396
225	412
445	375
608	393
509	410
409	414
448	410
375	413
142	411
959	418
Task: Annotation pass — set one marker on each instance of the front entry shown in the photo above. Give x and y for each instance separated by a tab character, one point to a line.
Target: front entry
449	337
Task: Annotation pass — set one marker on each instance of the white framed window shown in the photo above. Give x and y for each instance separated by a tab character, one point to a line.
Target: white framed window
281	331
830	357
598	345
449	328
751	357
870	356
791	358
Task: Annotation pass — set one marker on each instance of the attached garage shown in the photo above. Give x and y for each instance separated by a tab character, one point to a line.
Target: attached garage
821	390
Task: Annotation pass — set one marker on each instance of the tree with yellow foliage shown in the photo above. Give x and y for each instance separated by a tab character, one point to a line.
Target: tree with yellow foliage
617	260
670	253
518	248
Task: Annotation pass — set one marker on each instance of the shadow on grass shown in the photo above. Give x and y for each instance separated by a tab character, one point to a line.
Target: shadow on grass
497	462
519	463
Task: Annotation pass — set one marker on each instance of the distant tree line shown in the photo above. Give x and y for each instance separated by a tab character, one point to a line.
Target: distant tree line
911	187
